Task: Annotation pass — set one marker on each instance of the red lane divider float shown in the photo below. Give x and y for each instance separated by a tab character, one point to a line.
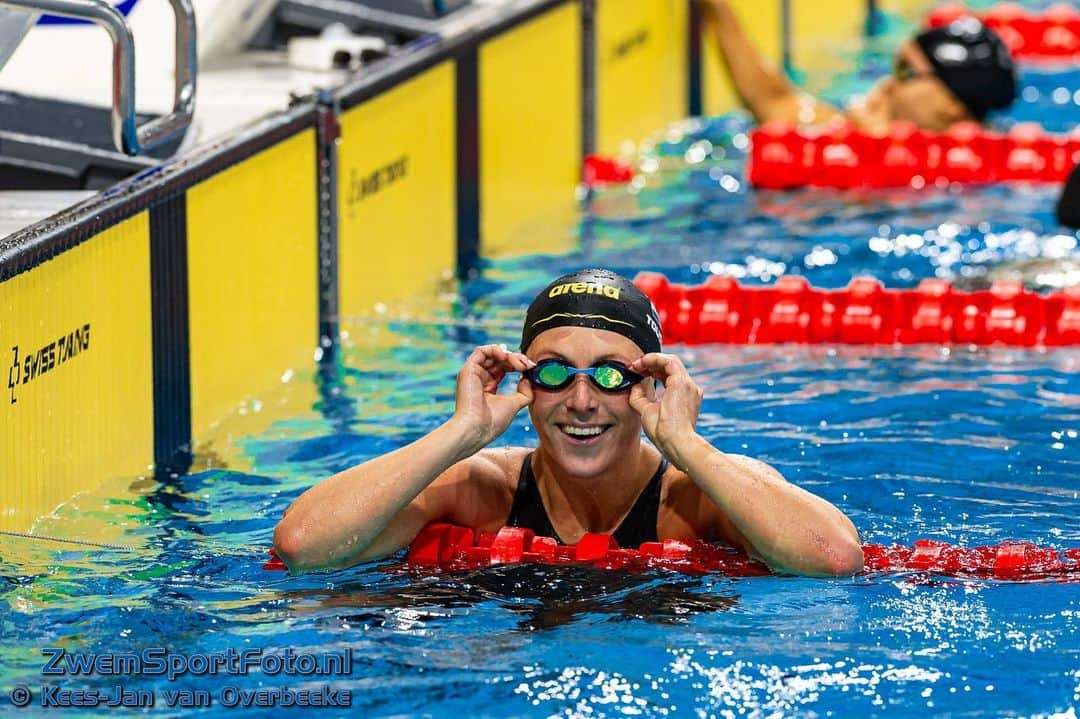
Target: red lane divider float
599	171
274	563
451	547
841	156
722	310
1053	34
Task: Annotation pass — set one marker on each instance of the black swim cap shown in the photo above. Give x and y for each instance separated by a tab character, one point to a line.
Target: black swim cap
973	62
599	299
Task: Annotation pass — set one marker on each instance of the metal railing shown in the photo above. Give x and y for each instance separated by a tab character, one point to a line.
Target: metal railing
128	136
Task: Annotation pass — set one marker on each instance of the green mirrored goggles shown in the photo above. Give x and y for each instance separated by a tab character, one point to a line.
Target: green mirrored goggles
554	374
904	71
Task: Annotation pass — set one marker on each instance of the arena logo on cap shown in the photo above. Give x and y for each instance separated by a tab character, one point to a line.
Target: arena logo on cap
585	288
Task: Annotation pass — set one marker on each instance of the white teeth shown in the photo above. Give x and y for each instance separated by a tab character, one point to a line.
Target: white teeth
582	431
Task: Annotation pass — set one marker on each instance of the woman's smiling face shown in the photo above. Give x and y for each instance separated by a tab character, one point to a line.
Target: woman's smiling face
582	428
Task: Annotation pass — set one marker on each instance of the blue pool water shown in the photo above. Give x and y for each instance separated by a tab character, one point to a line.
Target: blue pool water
966	446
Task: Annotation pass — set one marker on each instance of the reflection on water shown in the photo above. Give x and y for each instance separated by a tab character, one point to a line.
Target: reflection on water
543	596
970	447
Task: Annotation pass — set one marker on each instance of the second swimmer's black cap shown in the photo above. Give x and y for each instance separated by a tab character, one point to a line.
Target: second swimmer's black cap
973	63
598	299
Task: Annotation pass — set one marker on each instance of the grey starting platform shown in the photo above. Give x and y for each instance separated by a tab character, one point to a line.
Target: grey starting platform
56	152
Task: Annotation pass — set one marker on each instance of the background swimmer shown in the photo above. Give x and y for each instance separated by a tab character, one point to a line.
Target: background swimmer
941	76
590	357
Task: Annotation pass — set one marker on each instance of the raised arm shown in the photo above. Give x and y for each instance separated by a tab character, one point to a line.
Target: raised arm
377	507
788	527
763	88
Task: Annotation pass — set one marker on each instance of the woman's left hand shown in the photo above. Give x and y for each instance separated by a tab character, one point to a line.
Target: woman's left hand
670	421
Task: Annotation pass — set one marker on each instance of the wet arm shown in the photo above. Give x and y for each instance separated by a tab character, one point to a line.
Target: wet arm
790	528
369	510
786	526
377	507
761	85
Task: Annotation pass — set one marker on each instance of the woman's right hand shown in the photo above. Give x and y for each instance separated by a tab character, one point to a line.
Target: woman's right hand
483	413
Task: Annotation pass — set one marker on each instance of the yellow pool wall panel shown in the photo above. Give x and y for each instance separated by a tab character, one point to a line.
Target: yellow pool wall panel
825	35
642	76
763	23
294	399
78	408
252	277
911	10
397	193
530	115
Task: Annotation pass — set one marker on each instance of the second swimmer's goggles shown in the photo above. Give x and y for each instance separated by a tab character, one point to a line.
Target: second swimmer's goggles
609	376
903	71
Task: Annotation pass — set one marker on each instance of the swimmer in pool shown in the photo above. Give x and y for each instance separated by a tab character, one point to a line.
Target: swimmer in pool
590	359
957	72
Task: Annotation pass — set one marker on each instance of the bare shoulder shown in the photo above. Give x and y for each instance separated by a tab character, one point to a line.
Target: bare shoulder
797	108
488	466
686	513
479	490
498	466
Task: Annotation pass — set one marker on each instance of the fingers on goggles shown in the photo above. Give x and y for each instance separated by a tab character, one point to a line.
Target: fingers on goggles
553	374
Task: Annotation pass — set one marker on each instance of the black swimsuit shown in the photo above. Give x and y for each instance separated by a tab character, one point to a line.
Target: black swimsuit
639	526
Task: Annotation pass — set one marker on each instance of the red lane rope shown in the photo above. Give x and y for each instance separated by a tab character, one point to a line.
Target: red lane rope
598	171
1053	34
722	310
451	547
841	156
